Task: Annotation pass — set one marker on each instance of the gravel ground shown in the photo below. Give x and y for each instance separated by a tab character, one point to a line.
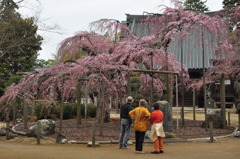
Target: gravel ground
110	131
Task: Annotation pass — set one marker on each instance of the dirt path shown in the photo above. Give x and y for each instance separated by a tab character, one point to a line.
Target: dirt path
222	149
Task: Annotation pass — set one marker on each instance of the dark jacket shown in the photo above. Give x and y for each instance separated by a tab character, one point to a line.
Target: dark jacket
124	112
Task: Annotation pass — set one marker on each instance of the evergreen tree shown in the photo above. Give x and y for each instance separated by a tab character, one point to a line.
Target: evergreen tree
19	41
230	3
195	5
232	11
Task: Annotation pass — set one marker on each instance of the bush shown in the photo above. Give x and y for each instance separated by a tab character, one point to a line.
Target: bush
238	108
69	111
91	110
44	111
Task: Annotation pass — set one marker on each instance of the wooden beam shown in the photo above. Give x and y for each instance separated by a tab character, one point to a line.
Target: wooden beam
155	71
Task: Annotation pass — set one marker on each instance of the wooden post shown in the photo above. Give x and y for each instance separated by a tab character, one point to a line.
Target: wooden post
94	129
204	82
85	104
151	92
170	99
38	133
14	112
211	128
223	105
61	115
194	104
93	133
102	107
229	120
78	95
25	114
177	99
7	125
239	121
182	84
129	83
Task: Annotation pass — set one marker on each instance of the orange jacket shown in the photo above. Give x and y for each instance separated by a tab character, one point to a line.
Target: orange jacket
141	115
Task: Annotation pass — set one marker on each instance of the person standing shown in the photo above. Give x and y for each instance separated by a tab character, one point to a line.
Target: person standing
141	115
126	122
157	133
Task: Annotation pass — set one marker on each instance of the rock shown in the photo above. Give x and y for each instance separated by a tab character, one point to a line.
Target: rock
236	133
170	135
60	138
64	141
47	127
3	131
215	116
167	120
209	140
19	120
73	142
90	144
130	142
147	134
12	136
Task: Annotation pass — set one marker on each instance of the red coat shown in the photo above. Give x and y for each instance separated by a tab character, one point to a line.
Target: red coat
156	116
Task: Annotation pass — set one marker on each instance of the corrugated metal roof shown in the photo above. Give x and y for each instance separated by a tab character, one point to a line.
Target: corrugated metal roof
191	45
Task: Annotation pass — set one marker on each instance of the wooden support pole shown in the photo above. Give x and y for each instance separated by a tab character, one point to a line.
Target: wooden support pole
129	83
204	82
61	115
8	126
239	121
38	133
194	104
154	71
78	95
211	129
177	100
25	113
223	105
229	120
93	133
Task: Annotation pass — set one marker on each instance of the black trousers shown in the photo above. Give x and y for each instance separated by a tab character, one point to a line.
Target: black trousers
139	137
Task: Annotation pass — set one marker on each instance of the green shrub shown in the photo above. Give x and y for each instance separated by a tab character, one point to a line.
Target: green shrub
91	110
238	108
45	111
69	110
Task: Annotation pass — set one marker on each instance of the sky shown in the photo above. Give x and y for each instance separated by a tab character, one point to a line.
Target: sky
73	16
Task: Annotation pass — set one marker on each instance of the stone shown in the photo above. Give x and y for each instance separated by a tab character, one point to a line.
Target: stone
130	142
167	112
170	135
3	131
215	116
90	144
47	127
209	140
147	134
19	120
64	141
60	138
236	133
